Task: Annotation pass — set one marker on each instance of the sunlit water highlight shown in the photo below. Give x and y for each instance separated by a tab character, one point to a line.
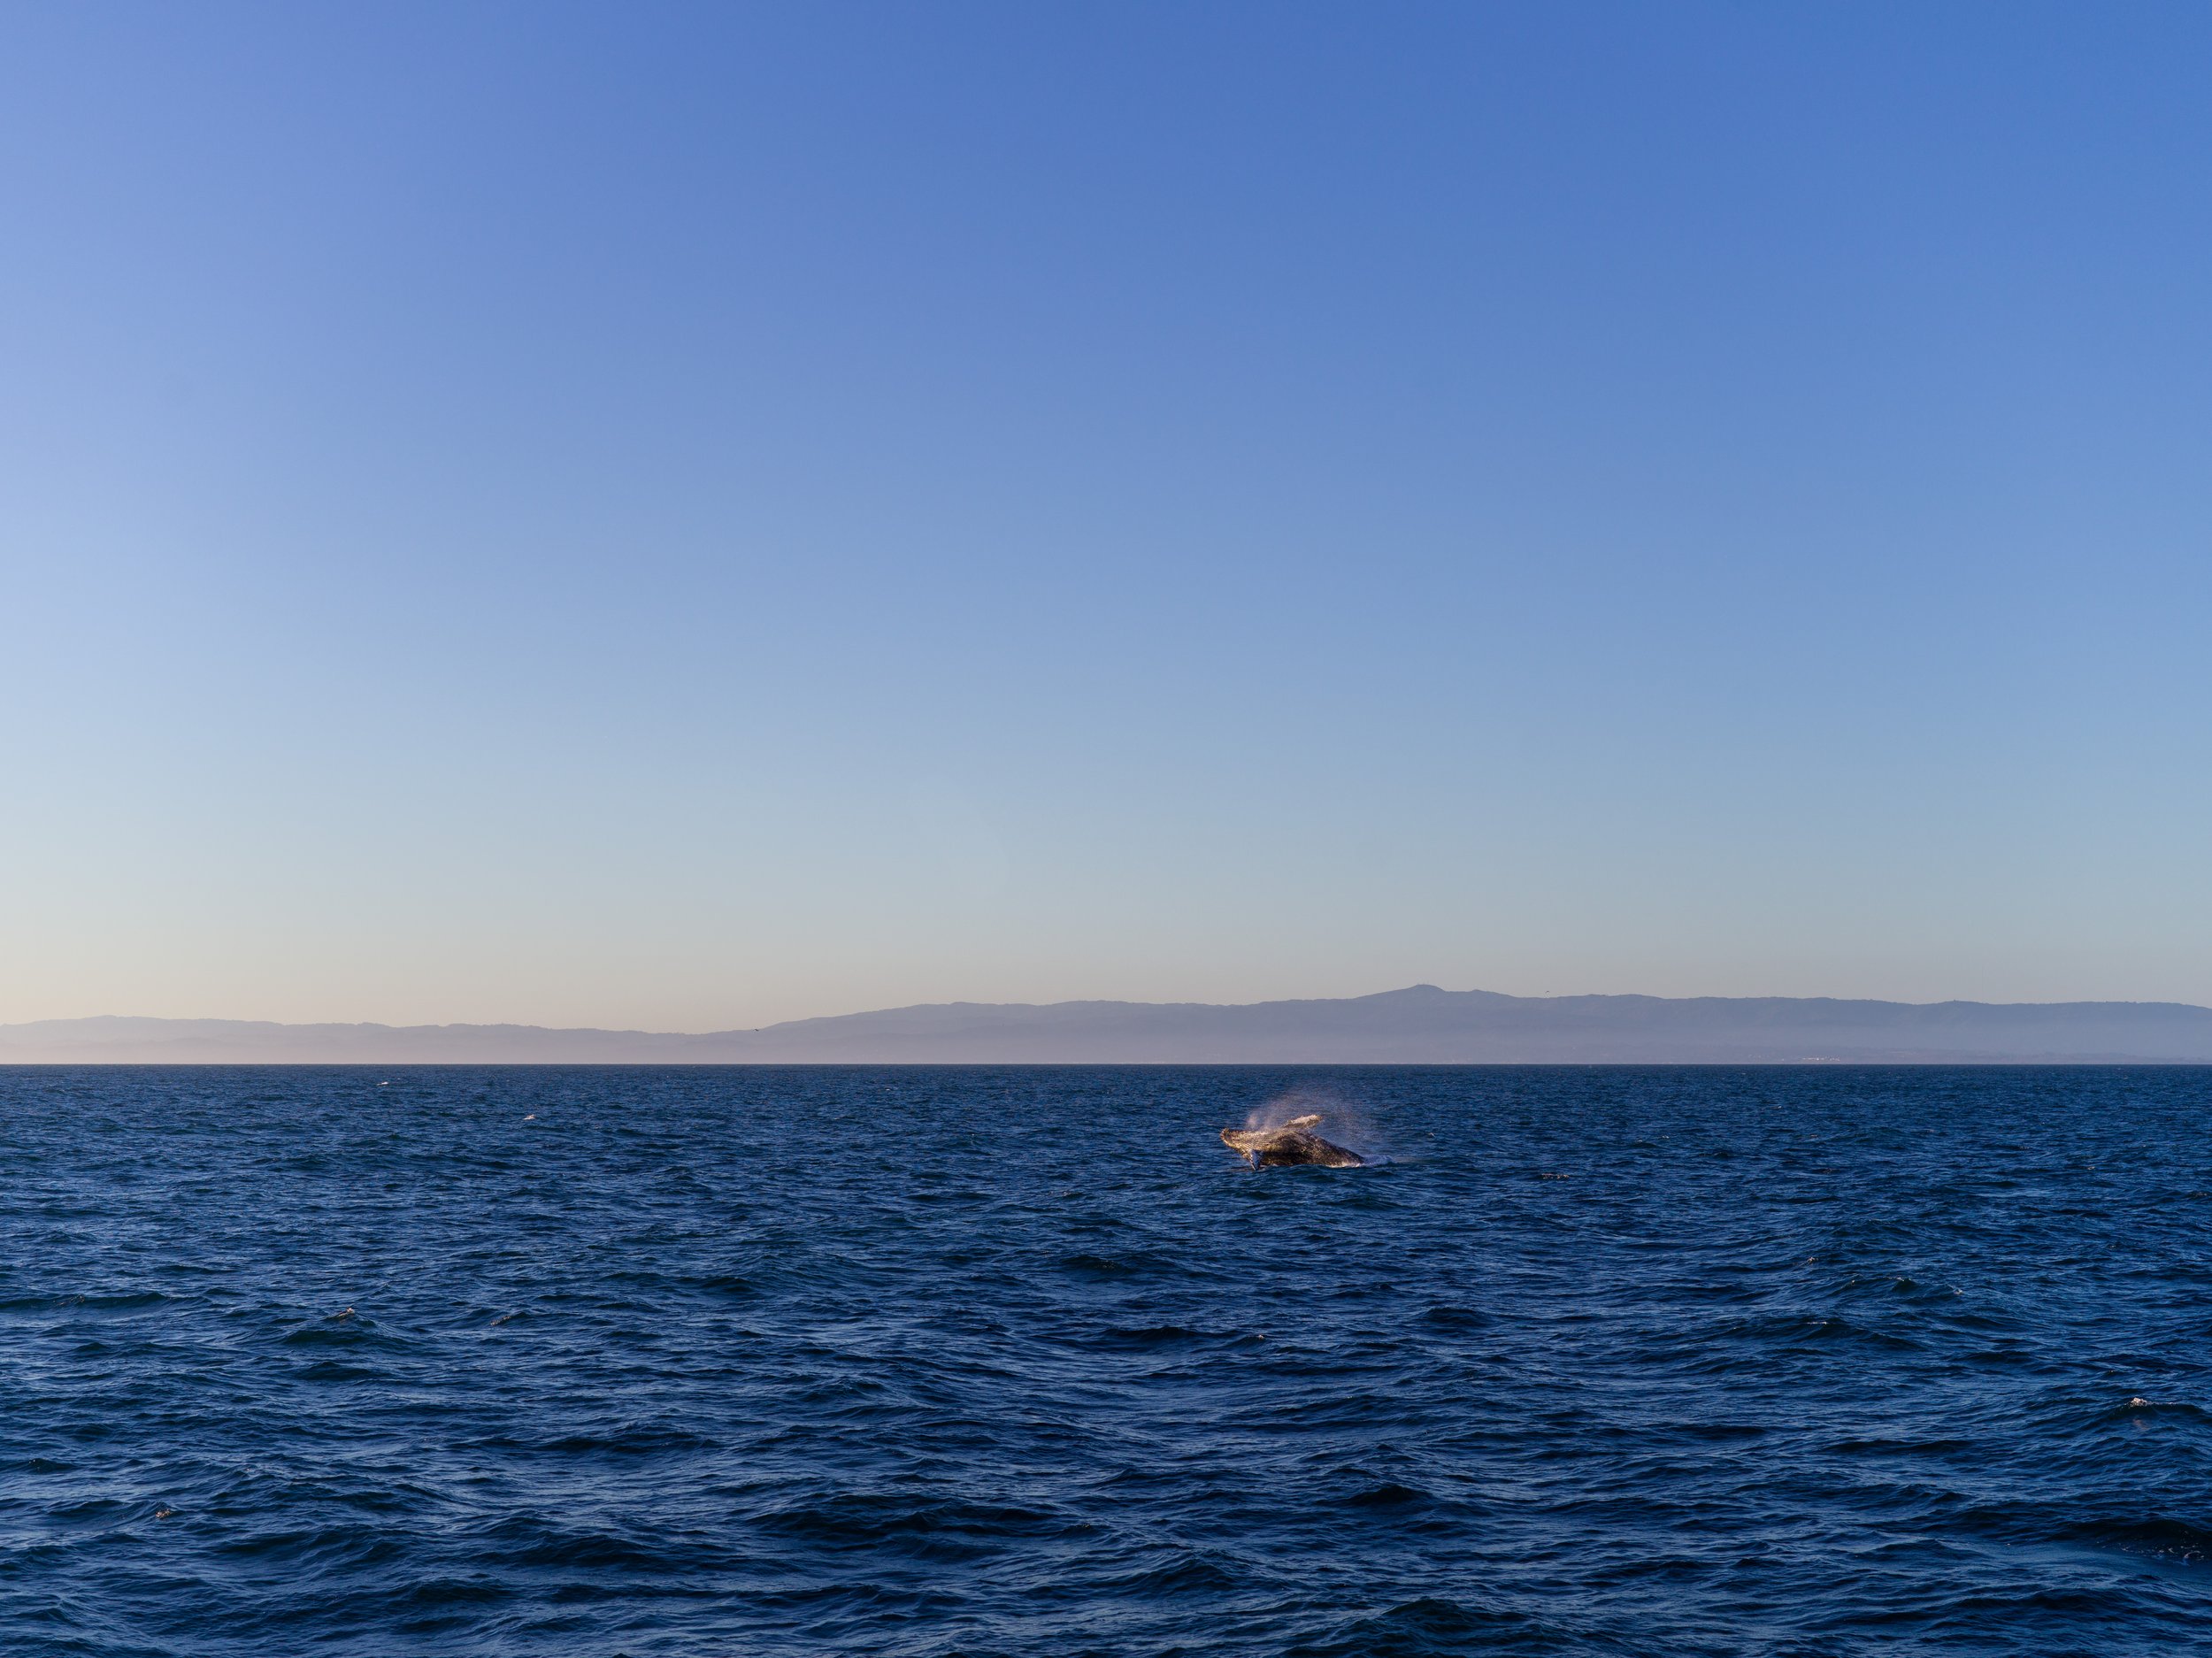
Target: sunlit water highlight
1025	1361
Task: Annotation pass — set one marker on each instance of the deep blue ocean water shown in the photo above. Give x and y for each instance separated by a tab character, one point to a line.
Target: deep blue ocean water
1024	1361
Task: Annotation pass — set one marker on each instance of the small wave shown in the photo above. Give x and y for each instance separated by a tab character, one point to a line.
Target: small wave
630	1442
1433	1627
869	1518
1098	1266
1446	1316
1389	1494
2140	1410
86	1305
1190	1575
2175	1542
1146	1336
345	1336
540	1545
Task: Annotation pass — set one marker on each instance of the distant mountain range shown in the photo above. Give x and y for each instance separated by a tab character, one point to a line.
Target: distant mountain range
1420	1025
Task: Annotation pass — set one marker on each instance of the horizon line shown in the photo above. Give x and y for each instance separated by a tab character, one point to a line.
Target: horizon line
1069	1003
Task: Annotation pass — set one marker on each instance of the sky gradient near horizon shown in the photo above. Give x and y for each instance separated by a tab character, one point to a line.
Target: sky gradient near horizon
687	516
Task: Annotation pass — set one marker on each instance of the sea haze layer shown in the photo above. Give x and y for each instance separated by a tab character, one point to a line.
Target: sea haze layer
1419	1026
1710	1363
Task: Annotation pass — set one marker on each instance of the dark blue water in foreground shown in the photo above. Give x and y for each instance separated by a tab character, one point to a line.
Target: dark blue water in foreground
598	1361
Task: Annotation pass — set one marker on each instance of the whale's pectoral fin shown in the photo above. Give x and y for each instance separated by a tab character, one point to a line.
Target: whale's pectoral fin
1310	1120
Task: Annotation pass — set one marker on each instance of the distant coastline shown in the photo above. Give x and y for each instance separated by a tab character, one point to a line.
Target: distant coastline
1421	1025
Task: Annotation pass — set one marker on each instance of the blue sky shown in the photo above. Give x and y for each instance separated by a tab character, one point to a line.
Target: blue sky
687	516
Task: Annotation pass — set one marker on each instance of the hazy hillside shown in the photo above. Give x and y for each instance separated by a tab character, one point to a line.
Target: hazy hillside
1421	1025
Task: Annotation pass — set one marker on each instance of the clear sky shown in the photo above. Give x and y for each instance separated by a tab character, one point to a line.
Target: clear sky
687	516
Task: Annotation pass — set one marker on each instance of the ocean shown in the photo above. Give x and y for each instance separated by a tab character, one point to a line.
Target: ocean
1024	1361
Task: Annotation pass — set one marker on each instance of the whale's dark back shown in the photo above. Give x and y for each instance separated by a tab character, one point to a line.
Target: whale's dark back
1283	1147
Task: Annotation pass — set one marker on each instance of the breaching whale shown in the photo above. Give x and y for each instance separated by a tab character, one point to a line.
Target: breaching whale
1294	1142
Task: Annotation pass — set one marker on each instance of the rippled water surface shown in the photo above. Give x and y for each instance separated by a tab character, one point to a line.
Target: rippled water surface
1023	1360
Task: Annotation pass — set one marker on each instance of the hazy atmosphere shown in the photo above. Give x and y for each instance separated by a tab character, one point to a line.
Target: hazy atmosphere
1098	830
688	519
